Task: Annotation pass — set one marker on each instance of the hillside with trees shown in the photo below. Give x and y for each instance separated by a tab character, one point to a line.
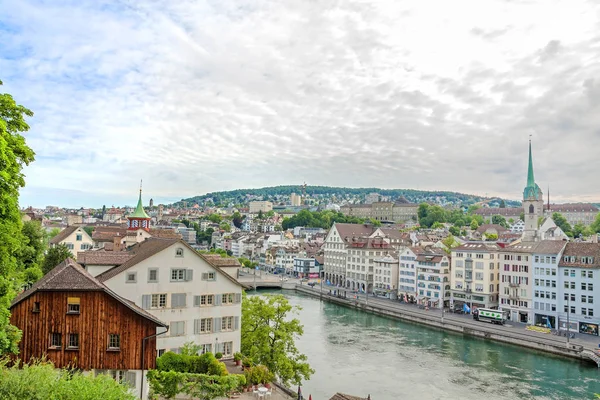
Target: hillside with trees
330	194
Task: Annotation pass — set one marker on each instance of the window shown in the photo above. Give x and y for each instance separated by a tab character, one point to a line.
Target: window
227	348
227	323
73	305
590	300
181	275
572	285
590	312
156	301
566	309
566	272
584	311
179	253
114	342
70	246
583	273
590	274
160	352
203	325
131	277
153	275
566	296
206	348
178	300
73	341
79	237
572	309
36	307
572	297
55	340
208	276
177	328
228	298
204	300
553	307
583	299
590	287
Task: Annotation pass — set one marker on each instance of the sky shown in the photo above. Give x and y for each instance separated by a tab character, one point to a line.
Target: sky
199	96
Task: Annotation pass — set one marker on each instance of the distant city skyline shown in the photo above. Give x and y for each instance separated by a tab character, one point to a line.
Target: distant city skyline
196	97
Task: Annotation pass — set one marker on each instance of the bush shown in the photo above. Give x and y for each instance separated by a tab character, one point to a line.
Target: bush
40	381
170	383
237	356
219	355
216	367
258	374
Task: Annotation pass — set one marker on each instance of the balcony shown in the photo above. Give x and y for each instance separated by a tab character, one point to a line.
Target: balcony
468	278
513	296
468	290
511	284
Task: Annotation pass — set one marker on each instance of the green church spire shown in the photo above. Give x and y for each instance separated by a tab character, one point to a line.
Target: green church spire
530	178
532	190
139	210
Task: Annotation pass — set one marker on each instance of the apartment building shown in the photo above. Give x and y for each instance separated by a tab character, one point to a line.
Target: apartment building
385	279
516	281
335	254
546	283
176	284
75	238
475	277
407	275
360	261
254	207
579	273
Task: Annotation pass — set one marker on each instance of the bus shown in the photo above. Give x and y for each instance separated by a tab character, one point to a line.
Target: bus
488	315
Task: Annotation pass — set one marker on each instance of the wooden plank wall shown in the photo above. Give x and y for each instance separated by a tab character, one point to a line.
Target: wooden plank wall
100	315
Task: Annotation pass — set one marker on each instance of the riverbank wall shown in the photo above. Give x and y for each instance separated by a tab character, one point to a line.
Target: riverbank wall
471	328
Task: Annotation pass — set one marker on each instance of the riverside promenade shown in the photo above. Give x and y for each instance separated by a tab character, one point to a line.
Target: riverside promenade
581	347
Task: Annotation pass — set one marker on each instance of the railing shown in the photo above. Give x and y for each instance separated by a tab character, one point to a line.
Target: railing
512	284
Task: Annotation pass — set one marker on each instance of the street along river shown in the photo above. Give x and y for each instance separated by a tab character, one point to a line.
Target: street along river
359	354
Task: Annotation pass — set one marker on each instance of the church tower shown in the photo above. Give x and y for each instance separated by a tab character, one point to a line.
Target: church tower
139	219
533	204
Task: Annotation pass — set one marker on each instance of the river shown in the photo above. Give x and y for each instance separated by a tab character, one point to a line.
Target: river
359	354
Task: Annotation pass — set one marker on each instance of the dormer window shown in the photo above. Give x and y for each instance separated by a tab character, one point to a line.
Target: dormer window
179	252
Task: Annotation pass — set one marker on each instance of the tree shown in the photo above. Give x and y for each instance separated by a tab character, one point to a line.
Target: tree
375	222
522	216
89	230
225	226
53	232
449	242
502	204
455	231
595	227
474	225
499	220
215	218
55	256
490	237
14	155
578	230
237	219
260	215
268	336
561	222
32	252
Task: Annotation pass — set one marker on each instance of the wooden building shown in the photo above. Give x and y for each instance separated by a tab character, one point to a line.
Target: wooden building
75	321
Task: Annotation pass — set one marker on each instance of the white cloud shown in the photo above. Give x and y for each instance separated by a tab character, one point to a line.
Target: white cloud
197	96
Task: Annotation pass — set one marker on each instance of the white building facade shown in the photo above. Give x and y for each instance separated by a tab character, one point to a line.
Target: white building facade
516	281
177	285
546	282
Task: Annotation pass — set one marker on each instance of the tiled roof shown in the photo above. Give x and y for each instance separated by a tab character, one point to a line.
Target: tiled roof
99	257
573	207
579	250
522	247
138	252
149	247
499	228
221	262
505	212
107	233
550	247
165	234
342	396
62	235
353	230
70	276
477	246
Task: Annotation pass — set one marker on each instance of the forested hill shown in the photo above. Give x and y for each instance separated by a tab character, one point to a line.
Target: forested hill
327	194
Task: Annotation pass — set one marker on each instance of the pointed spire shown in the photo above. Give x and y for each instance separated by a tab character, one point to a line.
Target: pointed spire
139	209
530	178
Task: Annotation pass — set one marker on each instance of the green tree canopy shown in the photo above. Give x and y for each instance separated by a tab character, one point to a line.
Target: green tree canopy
237	219
499	220
269	334
14	155
561	222
55	256
595	227
474	225
215	218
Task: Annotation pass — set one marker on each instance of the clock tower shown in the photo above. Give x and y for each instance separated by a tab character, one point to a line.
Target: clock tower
533	204
139	219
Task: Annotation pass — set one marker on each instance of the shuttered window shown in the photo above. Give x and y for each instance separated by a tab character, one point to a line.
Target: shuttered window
178	300
177	328
203	325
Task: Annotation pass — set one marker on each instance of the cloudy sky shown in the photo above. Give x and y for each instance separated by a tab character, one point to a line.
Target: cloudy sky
200	96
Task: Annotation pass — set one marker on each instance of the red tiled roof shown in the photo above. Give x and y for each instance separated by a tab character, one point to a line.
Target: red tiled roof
579	250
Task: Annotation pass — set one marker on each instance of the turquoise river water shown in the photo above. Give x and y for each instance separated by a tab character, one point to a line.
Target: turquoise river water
359	353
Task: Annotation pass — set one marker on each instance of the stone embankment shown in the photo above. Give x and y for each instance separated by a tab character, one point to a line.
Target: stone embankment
449	322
